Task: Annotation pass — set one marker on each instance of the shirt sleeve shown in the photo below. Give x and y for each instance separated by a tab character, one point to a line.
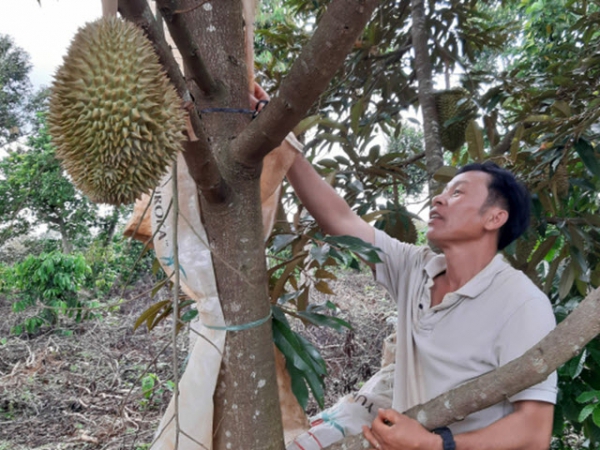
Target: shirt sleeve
528	325
398	262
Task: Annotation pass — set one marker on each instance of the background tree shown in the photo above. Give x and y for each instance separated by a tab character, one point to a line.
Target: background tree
15	89
35	191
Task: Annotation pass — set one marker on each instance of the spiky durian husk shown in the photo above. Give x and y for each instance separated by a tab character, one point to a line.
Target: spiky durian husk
447	106
524	247
114	117
403	230
561	180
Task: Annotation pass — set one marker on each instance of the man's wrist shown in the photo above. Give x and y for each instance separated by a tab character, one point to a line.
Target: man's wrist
447	438
437	442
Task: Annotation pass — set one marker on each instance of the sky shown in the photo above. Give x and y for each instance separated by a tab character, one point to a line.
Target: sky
45	31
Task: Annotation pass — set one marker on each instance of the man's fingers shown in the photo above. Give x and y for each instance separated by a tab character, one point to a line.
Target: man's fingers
370	437
260	93
385	419
388	416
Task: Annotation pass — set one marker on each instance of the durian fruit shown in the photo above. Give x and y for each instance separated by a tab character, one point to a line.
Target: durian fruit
561	180
114	117
524	247
401	227
449	105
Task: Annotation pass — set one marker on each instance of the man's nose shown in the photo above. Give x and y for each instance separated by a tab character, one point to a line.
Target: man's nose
438	199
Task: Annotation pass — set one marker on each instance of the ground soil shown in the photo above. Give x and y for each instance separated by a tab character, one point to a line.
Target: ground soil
81	387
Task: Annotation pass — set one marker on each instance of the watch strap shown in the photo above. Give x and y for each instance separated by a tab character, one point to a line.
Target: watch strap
447	438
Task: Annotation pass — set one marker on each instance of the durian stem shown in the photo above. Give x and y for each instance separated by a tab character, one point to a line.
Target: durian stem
109	8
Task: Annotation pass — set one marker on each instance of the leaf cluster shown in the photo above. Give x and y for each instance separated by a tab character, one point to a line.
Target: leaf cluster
49	285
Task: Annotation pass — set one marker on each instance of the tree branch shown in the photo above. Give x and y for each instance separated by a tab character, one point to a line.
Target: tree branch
504	145
566	341
431	125
308	78
562	220
199	153
171	11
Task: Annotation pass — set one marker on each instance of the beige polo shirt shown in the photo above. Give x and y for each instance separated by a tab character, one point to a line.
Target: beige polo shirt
491	320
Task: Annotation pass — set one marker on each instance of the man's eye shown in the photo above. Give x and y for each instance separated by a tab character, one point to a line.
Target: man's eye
456	192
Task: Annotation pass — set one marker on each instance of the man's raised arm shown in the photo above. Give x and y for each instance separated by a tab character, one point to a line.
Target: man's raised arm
330	210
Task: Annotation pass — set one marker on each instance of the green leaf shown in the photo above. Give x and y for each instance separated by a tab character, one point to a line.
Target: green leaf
474	137
189	315
596	415
323	320
585	412
282	300
585	397
323	286
444	174
541	251
588	155
158	286
328	163
306	124
366	251
537	118
562	107
298	384
150	314
566	281
576	369
324	274
320	253
281	241
356	111
302	359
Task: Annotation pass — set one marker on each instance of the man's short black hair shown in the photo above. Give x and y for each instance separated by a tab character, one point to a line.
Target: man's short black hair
506	192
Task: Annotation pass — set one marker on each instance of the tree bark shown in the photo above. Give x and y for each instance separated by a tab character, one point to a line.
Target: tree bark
111	227
431	126
172	12
247	413
504	145
563	343
67	245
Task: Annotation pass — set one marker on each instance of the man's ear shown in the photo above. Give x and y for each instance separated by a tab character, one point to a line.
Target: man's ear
496	217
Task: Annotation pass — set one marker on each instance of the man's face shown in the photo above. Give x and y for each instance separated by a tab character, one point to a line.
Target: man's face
457	214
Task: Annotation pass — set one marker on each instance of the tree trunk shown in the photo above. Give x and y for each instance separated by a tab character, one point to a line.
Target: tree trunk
431	127
247	413
67	246
111	226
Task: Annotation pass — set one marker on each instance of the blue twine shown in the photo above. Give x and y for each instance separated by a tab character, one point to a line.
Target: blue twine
254	112
241	327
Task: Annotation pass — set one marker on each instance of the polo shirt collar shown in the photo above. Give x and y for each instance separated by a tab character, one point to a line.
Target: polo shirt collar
476	285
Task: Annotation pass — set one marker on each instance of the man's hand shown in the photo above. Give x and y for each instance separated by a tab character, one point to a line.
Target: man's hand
259	95
394	431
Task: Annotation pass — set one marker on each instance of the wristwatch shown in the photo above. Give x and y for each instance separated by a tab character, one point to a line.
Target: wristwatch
447	438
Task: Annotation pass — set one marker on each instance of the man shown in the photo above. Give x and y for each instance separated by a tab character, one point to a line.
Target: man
460	314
